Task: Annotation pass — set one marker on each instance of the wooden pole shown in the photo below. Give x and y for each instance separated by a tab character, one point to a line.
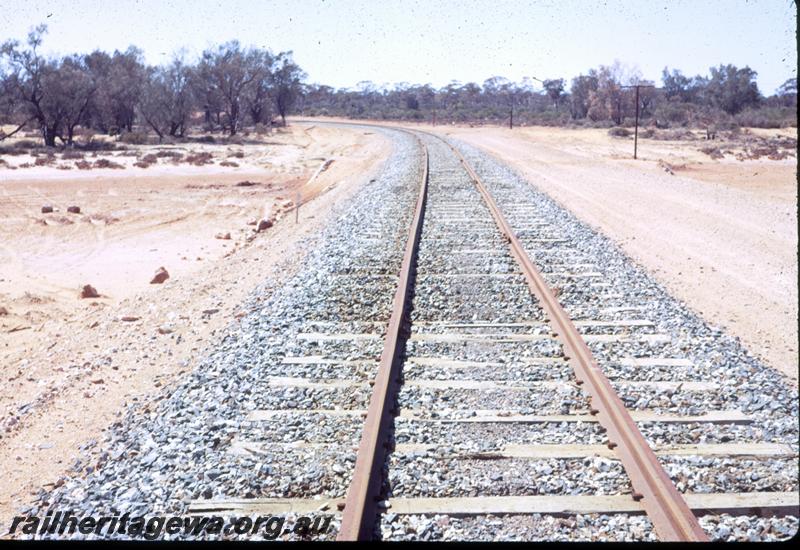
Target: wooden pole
636	127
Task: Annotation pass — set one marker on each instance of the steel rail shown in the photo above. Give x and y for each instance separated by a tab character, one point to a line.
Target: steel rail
360	506
672	518
664	505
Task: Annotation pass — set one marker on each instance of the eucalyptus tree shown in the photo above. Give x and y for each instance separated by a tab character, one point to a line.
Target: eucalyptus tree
69	89
257	96
225	75
583	86
554	89
732	89
167	100
286	83
55	93
11	111
120	78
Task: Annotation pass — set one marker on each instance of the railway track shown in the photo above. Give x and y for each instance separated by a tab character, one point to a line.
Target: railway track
457	210
449	363
467	289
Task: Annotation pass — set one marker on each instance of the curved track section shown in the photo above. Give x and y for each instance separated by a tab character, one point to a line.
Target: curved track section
433	370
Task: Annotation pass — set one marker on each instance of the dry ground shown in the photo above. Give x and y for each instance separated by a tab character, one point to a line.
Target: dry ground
68	365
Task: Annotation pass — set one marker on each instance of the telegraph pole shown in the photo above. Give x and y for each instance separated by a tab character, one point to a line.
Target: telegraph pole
636	127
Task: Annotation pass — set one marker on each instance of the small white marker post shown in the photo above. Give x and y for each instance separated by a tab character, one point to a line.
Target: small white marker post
297	199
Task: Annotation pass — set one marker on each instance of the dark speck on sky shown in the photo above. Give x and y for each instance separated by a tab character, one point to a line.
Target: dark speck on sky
436	42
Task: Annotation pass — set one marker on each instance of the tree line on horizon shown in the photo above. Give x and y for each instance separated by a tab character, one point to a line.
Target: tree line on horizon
230	87
727	98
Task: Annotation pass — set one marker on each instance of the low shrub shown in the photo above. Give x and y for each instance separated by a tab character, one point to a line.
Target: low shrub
105	163
729	125
100	145
647	133
26	144
134	138
146	161
199	159
712	151
261	129
11	151
71	154
619	132
676	134
45	160
600	123
168	153
768	117
672	114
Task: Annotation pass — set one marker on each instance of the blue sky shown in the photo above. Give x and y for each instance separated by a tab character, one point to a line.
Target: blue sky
342	42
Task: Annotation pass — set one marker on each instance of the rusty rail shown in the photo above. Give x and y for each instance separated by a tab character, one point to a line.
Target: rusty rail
362	495
671	516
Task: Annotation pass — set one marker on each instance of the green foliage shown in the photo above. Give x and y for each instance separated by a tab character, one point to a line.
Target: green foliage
768	117
669	114
732	89
582	89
